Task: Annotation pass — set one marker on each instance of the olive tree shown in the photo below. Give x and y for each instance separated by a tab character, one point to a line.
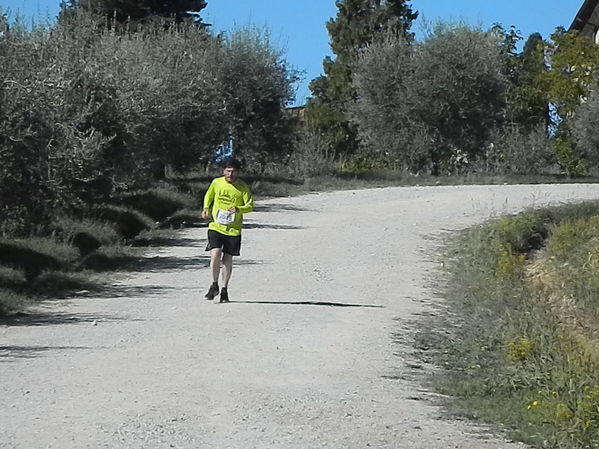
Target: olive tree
257	84
432	106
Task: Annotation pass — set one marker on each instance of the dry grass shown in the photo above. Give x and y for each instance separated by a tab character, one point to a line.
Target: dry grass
522	346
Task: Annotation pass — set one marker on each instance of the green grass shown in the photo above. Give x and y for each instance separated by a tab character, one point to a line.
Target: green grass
518	342
11	277
157	203
81	253
36	254
12	302
59	284
128	222
85	234
112	258
184	218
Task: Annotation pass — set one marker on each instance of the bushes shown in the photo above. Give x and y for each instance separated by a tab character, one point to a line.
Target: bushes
585	129
463	100
157	203
258	84
36	255
11	277
89	111
12	302
520	152
520	345
42	266
431	105
85	234
92	115
128	222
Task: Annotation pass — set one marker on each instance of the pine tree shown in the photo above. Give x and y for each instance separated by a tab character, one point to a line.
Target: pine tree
139	10
357	24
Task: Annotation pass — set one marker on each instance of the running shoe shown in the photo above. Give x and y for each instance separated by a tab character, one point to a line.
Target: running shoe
212	292
224	296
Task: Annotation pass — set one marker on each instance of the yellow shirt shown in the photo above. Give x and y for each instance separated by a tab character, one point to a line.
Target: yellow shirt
222	195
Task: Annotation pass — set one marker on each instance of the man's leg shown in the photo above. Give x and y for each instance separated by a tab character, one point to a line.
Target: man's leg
227	269
215	257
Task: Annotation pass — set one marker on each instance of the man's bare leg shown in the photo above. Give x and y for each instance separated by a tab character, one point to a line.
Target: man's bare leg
227	271
215	258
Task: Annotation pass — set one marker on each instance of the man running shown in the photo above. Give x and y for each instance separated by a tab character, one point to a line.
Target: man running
225	202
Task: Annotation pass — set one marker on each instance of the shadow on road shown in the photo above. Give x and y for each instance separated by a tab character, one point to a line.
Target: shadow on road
276	207
27	352
169	241
122	291
270	226
153	264
51	319
162	263
309	303
144	264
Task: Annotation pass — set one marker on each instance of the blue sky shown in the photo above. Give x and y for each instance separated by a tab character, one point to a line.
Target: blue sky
299	26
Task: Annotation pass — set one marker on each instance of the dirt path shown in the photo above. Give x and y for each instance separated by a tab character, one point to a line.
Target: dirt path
302	358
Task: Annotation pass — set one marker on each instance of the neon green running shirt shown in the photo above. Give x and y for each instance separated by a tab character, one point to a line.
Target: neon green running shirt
221	195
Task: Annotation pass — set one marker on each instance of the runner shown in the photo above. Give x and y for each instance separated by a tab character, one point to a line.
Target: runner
225	202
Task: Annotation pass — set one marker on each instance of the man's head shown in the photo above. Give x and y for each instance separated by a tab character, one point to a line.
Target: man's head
231	169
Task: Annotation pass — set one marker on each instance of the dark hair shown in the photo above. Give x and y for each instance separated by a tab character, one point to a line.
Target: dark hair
232	163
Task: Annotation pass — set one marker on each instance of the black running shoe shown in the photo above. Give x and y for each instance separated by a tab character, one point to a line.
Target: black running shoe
224	296
212	292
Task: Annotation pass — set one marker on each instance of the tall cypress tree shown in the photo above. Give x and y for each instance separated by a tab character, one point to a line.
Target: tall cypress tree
357	24
528	98
139	10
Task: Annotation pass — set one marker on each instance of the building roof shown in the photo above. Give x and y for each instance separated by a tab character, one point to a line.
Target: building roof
586	19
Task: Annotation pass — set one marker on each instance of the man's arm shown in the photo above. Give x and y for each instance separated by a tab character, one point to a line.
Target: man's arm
208	200
248	203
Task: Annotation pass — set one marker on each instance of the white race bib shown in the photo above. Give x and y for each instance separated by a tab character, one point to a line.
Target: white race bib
224	217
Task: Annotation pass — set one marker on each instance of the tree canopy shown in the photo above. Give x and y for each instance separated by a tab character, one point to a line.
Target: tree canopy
139	10
357	24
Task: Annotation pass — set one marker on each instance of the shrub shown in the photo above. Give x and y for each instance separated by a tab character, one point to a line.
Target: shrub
59	283
89	110
196	189
110	258
258	84
431	105
183	219
12	302
585	128
85	234
310	157
521	152
520	344
11	277
35	255
128	222
520	349
157	203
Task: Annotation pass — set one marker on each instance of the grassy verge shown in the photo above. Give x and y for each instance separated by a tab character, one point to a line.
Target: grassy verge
81	253
518	342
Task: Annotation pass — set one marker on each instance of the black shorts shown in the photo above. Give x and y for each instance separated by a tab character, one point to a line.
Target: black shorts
229	244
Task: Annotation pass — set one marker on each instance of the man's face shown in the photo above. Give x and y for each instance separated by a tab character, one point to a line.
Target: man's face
231	174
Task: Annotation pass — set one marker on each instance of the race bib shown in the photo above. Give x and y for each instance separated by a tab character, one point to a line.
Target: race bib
224	217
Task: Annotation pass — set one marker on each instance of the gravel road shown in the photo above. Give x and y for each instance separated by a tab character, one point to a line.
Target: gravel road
303	357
